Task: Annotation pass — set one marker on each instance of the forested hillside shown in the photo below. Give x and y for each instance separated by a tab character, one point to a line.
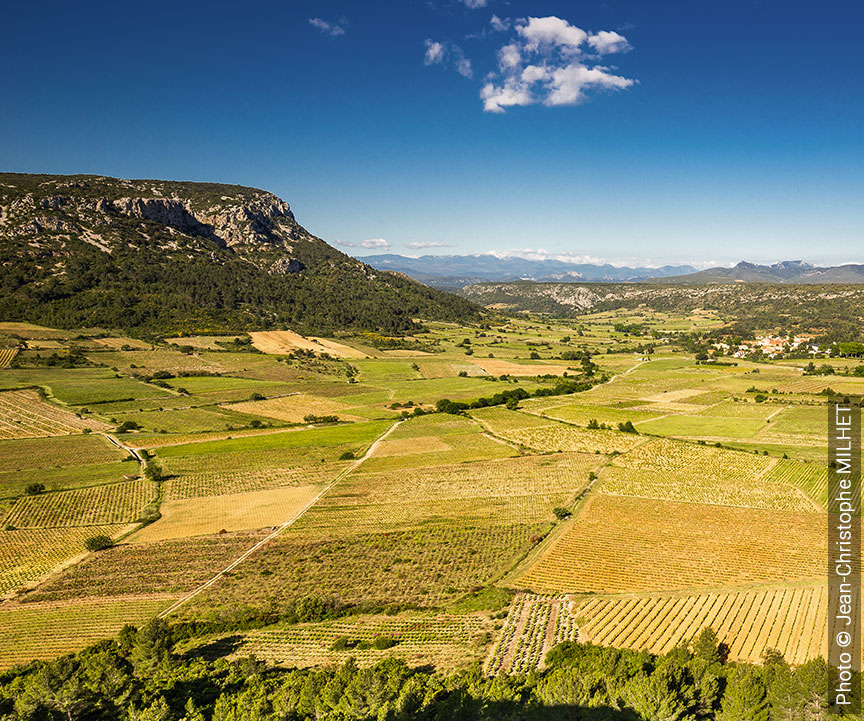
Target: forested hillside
159	256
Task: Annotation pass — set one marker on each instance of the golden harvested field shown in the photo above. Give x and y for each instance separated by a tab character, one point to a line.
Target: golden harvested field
285	341
23	414
7	355
499	367
48	630
621	544
202	342
293	408
28	554
119	343
791	620
445	640
98	505
237	512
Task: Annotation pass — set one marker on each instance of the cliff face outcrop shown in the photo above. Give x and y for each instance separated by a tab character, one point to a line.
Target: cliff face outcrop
85	251
254	224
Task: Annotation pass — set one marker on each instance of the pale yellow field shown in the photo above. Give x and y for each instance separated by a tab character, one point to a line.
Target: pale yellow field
497	367
293	408
237	512
285	341
410	446
118	343
791	620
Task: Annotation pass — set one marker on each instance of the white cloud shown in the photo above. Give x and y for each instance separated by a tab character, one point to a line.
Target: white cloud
420	245
550	32
474	4
509	57
434	52
608	41
568	84
328	28
450	54
498	97
370	244
499	25
549	61
377	243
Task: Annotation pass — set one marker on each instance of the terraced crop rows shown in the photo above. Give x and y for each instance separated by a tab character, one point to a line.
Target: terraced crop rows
79	450
696	487
23	414
534	624
515	490
49	630
99	505
663	455
169	567
559	437
440	639
791	620
809	477
622	544
7	355
195	485
28	554
431	564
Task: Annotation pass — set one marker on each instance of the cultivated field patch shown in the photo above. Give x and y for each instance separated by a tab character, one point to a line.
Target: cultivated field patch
237	512
632	544
165	567
49	630
28	554
791	620
23	414
448	641
96	506
294	408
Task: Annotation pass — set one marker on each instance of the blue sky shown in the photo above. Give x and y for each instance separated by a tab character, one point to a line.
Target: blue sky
647	132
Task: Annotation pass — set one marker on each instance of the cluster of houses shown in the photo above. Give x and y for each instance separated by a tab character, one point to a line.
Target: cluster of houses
772	346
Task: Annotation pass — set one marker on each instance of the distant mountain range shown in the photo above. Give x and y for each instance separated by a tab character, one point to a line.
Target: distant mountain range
788	271
457	271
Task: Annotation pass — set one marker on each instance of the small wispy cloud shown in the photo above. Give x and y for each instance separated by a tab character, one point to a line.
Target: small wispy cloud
449	55
499	25
328	28
423	245
370	244
474	4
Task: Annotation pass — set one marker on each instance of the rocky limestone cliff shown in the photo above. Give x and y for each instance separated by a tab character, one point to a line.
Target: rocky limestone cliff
89	250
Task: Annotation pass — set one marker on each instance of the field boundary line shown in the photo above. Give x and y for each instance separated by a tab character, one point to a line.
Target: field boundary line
236	562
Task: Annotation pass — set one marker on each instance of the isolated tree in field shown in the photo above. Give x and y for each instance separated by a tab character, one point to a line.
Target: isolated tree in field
512	404
561	513
34	489
153	472
98	543
627	427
